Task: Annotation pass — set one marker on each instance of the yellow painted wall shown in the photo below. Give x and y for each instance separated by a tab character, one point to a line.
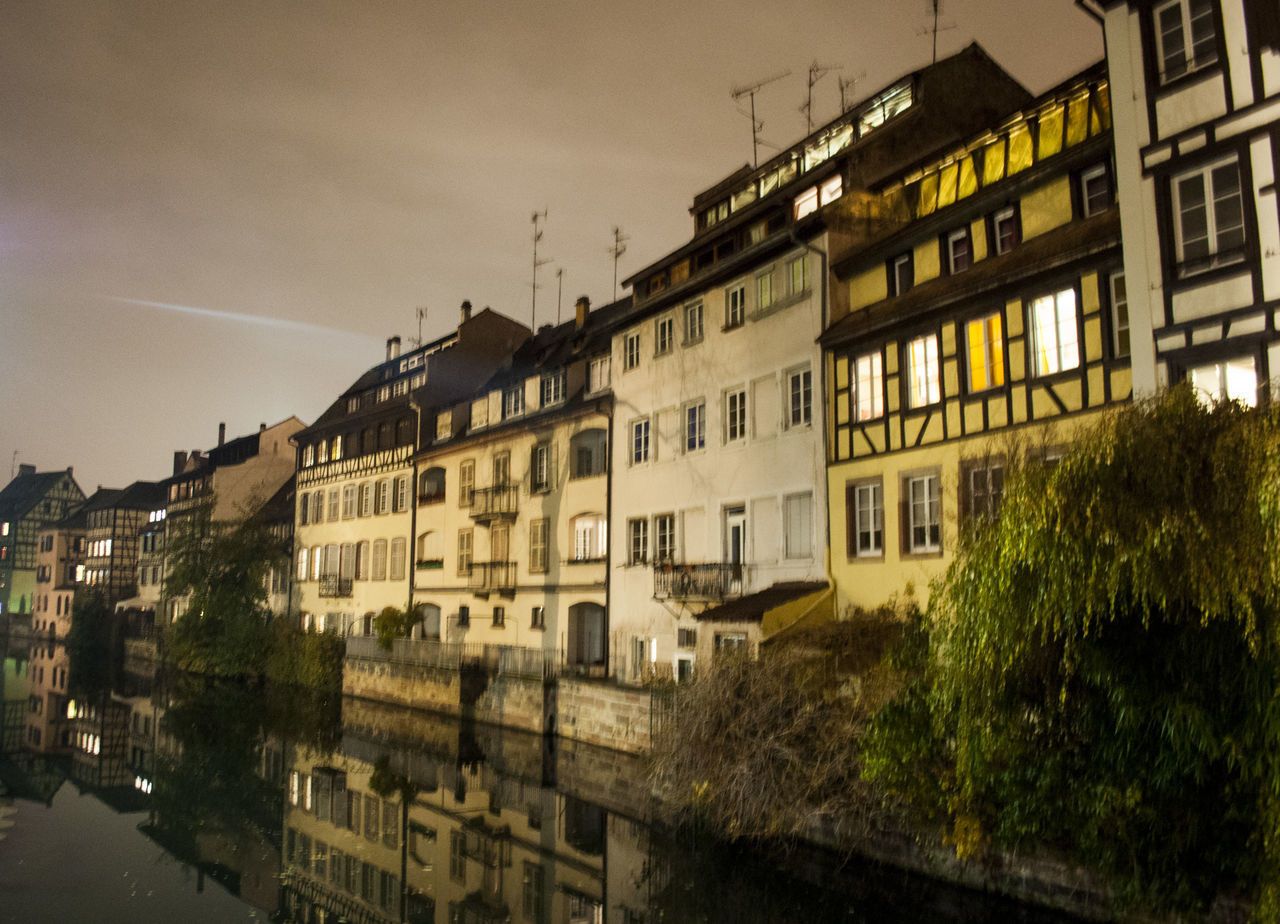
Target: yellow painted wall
1046	207
925	260
868	287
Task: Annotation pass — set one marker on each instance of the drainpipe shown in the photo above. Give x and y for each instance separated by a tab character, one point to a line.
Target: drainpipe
411	554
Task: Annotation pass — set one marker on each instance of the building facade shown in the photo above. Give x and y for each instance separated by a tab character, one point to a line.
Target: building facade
29	503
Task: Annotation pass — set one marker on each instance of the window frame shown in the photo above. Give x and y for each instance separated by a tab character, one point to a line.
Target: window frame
735	415
664	335
540	468
466	551
1216	253
931	483
932	381
630	351
798	415
1087	177
694	327
1186	49
797	545
950	239
991	359
1041	366
735	306
1009	216
640	444
972	500
695	426
902	273
1118	310
637	541
875	359
539	545
664	538
854	519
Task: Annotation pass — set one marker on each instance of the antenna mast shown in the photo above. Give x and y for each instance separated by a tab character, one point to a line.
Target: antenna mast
750	90
559	291
817	72
537	236
618	249
935	9
422	316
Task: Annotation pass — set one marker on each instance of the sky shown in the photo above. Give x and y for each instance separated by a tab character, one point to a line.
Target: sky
219	211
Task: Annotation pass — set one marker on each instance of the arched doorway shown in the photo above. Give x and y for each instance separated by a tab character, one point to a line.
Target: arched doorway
586	646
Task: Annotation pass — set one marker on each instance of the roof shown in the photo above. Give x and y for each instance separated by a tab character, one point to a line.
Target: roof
753	607
21	495
555	347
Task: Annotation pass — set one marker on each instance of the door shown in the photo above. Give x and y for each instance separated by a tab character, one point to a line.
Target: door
735	546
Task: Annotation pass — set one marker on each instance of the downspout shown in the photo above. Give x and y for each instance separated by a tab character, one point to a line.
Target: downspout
411	554
822	365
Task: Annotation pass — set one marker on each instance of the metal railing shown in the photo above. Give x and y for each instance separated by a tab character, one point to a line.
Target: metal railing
492	577
699	581
511	660
333	586
497	501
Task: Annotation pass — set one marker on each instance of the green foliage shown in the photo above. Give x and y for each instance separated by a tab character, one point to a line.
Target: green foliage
393	623
304	659
1102	663
95	648
223	567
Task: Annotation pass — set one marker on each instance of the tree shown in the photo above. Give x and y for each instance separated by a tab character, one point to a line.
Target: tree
393	623
223	567
1100	669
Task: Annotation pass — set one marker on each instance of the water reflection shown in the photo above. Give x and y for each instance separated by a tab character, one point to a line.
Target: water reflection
316	809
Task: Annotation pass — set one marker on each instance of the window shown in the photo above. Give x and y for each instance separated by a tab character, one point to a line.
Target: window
464	551
302	564
764	291
348	501
513	401
864	506
457	850
466	482
588	451
639	442
631	351
502	469
382	498
663	336
538	618
499	617
589	537
335	501
924	514
304	507
1208	217
798	272
398	552
957	250
1055	345
317	561
1095	191
901	273
400	387
552	388
598	374
799	398
366	499
806	203
664	538
983	485
400	496
735	311
380	559
347	563
431	486
1119	316
923	382
1005	229
1186	39
322	452
637	541
797	521
1234	379
362	560
464	616
985	340
539	533
308	456
687	638
868	387
540	468
695	426
693	323
735	415
353	404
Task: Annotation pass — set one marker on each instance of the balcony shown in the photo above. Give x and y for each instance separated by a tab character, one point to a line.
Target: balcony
333	586
489	577
710	581
497	503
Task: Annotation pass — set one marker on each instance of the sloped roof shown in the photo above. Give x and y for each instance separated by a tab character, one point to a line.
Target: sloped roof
21	495
753	607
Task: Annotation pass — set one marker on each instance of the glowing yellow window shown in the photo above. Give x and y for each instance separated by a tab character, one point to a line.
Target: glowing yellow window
986	352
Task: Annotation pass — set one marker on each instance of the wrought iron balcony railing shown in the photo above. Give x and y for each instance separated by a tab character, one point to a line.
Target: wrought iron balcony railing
497	502
493	577
699	581
333	586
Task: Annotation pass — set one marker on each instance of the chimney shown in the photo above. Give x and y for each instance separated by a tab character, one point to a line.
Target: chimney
262	427
466	312
582	306
393	348
179	461
26	468
222	433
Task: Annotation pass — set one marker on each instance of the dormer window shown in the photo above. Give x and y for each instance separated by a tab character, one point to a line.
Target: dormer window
553	388
513	401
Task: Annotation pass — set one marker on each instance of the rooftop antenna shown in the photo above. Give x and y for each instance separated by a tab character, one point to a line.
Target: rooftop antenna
816	72
935	9
422	316
847	84
559	291
750	90
537	236
618	249
13	466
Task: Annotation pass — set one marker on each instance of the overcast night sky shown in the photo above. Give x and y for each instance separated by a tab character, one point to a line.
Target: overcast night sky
219	211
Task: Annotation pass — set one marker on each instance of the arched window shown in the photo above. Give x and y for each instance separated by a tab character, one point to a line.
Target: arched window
429	551
431	486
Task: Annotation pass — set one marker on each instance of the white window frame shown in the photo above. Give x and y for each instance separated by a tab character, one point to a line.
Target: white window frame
695	426
630	351
540	468
1184	50
866	386
598	374
693	323
1212	208
924	513
735	306
513	401
1120	342
664	335
1005	216
735	415
766	290
798	400
637	540
552	388
1231	382
951	240
902	273
640	433
1053	322
924	371
866	519
664	538
1089	177
797	525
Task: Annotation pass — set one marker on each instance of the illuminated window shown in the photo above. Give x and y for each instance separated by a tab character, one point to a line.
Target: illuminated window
924	385
631	351
1119	316
1208	217
663	336
864	507
400	387
336	452
1055	344
444	425
322	452
830	190
867	396
1234	379
1185	33
308	455
806	203
735	415
985	340
735	306
384	392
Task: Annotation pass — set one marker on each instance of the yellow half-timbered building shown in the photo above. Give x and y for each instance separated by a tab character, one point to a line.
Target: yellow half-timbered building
985	318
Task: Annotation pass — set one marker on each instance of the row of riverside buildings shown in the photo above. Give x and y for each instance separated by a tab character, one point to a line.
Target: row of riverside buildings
794	412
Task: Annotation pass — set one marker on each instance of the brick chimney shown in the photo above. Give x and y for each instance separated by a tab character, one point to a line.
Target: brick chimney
222	433
393	347
466	312
582	306
26	468
179	461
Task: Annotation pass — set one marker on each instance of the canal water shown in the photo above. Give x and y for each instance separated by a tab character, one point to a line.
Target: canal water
140	798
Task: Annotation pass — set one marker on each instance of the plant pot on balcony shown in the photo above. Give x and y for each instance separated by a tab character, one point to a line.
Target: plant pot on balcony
430	564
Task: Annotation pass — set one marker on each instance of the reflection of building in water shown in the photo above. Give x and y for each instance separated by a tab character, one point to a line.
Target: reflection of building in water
14	685
48	729
100	740
474	843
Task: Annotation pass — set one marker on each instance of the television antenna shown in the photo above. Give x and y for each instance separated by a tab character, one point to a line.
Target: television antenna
422	316
816	72
750	90
537	236
618	249
559	291
934	9
848	84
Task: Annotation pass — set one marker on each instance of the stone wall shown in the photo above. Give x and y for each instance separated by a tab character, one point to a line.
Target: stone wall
598	712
